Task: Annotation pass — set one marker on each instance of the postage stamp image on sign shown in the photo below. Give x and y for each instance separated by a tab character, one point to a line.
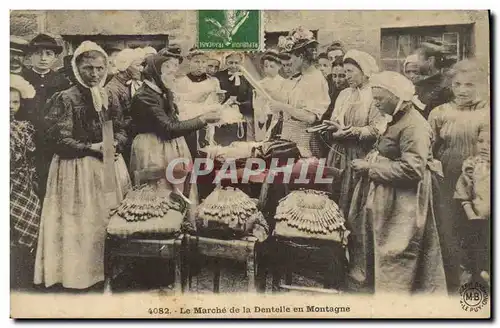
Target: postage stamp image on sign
229	29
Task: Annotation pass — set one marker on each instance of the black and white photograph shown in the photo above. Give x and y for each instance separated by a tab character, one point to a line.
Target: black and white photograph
250	164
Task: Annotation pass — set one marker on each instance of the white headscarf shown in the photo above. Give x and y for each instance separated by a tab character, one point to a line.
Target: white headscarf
362	95
367	63
398	85
149	51
99	95
25	89
126	57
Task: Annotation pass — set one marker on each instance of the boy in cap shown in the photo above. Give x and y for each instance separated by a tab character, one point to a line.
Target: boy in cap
17	52
43	50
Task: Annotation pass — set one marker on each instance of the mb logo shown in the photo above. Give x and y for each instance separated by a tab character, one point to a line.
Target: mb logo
473	297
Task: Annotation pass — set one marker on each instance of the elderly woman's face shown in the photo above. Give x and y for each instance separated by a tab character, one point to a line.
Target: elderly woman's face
354	75
92	70
135	69
15	101
384	100
464	87
233	63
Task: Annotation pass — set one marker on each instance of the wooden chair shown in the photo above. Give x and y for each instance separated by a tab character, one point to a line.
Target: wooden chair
284	256
217	249
146	246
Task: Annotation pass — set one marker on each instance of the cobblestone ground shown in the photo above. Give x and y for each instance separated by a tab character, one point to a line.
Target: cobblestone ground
143	276
155	275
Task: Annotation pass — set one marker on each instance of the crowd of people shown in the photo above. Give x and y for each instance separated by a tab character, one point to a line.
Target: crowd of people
413	148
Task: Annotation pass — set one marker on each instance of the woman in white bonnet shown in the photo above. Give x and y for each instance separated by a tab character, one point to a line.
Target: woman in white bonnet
75	214
120	89
362	123
394	244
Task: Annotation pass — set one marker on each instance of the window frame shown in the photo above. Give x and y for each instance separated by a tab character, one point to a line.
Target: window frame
464	40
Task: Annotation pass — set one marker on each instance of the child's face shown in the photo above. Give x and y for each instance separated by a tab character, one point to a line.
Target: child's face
43	59
15	101
464	87
324	66
483	144
271	69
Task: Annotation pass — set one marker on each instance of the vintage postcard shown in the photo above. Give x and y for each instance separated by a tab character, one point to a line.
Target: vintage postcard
250	164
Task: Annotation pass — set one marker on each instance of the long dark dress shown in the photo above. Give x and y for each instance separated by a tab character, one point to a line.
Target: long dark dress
244	95
394	244
120	99
35	110
160	133
456	130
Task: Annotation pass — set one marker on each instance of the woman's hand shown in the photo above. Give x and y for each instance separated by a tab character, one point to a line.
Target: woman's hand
360	165
250	238
232	101
97	147
343	134
276	106
212	116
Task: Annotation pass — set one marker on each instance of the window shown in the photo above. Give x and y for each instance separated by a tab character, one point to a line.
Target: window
398	43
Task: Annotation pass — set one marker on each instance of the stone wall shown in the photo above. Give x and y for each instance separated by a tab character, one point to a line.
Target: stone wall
356	29
362	29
